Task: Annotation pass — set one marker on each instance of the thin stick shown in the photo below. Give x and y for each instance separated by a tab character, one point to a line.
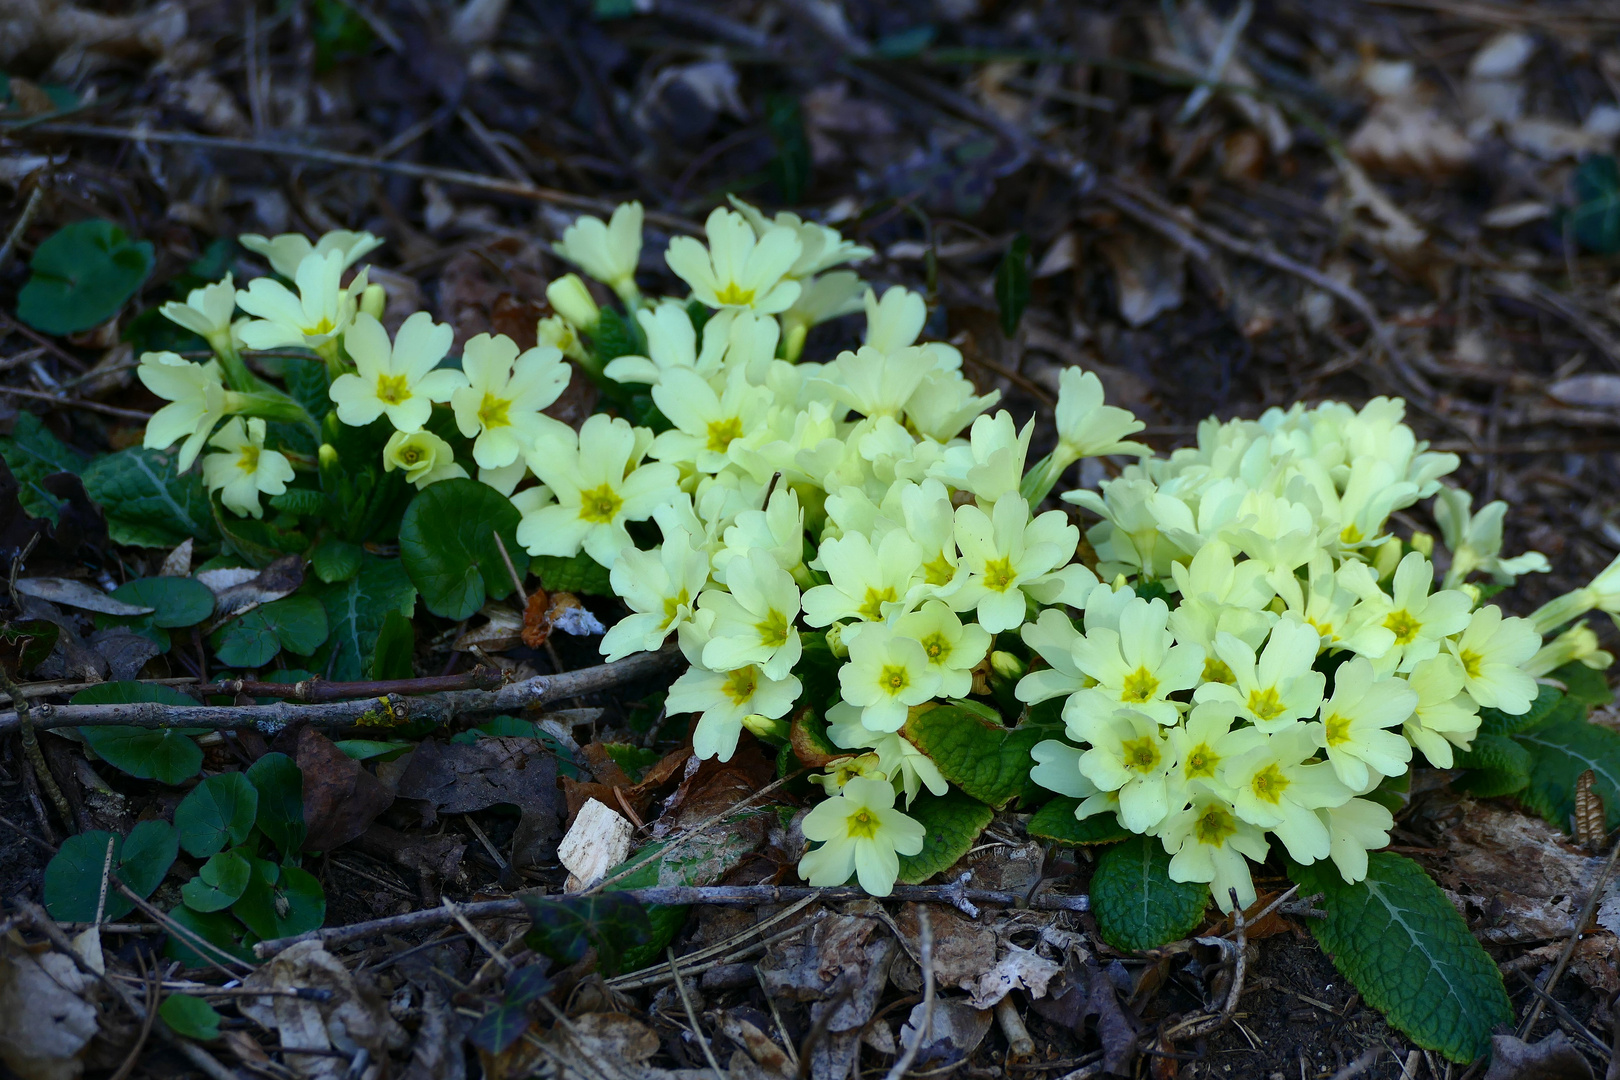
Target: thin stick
319	691
106	876
80	403
200	945
1216	70
1574	939
517	582
24	723
1199	1028
21	225
356	161
633	980
691	1014
925	934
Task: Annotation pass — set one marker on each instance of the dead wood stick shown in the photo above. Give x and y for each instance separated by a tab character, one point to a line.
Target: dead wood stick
319	691
1587	911
925	946
675	895
383	711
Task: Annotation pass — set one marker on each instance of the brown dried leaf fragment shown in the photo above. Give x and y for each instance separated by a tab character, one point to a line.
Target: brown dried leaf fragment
1590	818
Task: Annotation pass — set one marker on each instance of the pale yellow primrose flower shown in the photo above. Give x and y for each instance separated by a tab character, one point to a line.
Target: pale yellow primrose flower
555	331
402	380
1356	722
1136	667
723	698
286	252
1275	689
1577	644
503	397
821	247
660	587
424	456
608	252
736	270
867	582
1006	553
953	650
1420	621
207	313
671	343
1130	753
1208	842
1272	788
599	484
1357	827
1475	540
246	468
1493	651
896	320
1445	715
861	833
706	423
898	760
315	318
887	673
197	402
753	622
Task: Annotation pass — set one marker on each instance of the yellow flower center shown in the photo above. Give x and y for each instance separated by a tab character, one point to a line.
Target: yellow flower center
739	685
1139	685
999	574
325	326
862	823
248	460
1215	670
893	679
1338	729
1470	662
938	572
872	607
600	505
1404	625
673	605
1265	704
392	389
722	432
1140	755
409	454
1214	826
936	647
734	294
1269	784
1201	762
1325	629
1351	535
492	412
773	629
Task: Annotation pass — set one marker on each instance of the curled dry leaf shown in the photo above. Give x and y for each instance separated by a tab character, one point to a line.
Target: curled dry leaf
341	798
1516	877
1589	824
1597	391
76	594
354	1017
177	563
1553	1058
280	578
955	1030
1148	276
45	1023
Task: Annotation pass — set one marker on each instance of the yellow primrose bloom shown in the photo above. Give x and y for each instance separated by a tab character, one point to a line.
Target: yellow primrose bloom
286	252
1444	716
753	621
1274	787
245	468
661	588
197	401
316	317
736	270
886	675
1493	651
953	650
861	833
1208	842
724	698
402	380
608	252
1356	722
207	313
1475	540
503	396
424	456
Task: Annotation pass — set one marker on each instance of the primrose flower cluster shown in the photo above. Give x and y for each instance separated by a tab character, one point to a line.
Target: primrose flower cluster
1250	654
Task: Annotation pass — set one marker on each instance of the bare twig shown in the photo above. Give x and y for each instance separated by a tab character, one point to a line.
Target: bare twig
1239	953
1230	36
36	757
925	946
691	1014
24	219
318	691
77	403
1585	917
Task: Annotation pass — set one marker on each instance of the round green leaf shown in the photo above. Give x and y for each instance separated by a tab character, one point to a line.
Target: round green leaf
953	821
73	876
1136	904
176	601
447	543
82	274
1056	821
164	754
191	1017
291	904
219	884
281	801
217	814
296	623
217	928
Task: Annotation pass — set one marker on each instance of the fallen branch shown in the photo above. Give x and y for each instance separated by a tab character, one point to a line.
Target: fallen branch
319	691
675	895
384	711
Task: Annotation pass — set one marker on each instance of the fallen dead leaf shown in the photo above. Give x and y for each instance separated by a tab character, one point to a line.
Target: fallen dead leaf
1148	275
341	798
1599	391
1020	969
457	778
1553	1058
954	1031
45	1023
76	594
354	1017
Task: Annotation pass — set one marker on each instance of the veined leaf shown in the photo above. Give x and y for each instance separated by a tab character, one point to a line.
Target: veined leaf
1136	904
1562	751
953	822
140	860
989	762
1056	821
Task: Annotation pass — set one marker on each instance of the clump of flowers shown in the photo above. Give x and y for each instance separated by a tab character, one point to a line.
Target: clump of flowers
1248	653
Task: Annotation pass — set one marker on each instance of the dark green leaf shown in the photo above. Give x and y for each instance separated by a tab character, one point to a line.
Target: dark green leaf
503	1025
790	168
905	43
33	453
218	813
355	610
1398	939
308	384
190	1017
175	601
953	821
26	644
340	33
336	560
216	928
1583	684
1012	284
581	575
565	929
73	877
219	883
292	904
1056	821
988	761
1496	766
1562	750
164	754
634	760
82	274
1136	904
447	543
1550	704
146	500
396	642
299	501
612	338
281	801
1595	220
259	543
296	623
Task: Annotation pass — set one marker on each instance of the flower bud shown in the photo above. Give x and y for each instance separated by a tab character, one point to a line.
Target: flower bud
835	641
1388	557
554	331
1007	666
766	728
374	300
572	300
1423	542
1578	643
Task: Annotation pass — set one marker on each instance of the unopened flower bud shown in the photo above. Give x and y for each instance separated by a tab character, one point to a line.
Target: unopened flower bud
572	300
766	728
1006	665
835	641
1423	542
374	300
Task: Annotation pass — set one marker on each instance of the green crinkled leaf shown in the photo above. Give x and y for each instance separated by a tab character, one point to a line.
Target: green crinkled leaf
1012	284
148	503
634	760
612	338
1136	904
216	814
175	601
299	501
581	575
217	928
1595	221
189	1016
447	543
1496	766
219	883
953	822
280	816
1561	752
1056	821
82	274
1583	684
258	543
336	560
308	384
1398	939
565	929
33	453
281	901
355	610
988	761
164	754
295	623
1550	705
73	876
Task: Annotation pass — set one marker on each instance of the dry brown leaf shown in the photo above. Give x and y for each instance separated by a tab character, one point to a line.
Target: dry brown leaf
353	1017
1411	139
1589	818
1553	1058
341	798
1598	391
1148	275
45	1023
